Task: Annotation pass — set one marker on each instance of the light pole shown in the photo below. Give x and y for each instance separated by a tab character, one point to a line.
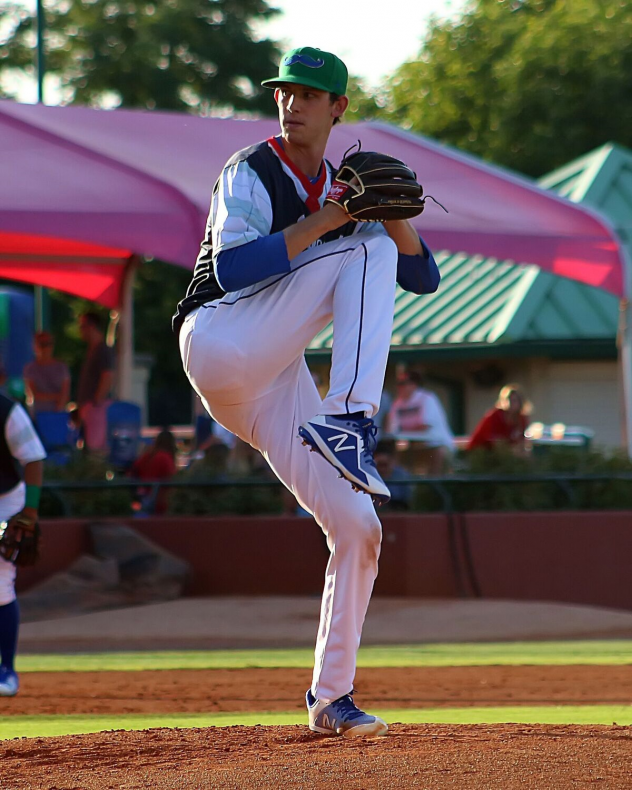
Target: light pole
41	58
38	290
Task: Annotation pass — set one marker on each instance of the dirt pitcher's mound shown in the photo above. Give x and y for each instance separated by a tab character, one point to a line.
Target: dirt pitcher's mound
250	758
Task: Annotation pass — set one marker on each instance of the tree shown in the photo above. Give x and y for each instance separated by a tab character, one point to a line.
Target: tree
364	103
170	55
157	289
196	55
529	84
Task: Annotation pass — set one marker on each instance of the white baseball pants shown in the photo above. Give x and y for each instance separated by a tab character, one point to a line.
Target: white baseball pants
244	355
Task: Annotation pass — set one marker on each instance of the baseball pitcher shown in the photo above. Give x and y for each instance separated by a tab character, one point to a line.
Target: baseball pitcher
293	243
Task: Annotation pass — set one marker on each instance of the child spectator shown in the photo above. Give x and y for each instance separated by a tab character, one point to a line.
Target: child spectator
156	463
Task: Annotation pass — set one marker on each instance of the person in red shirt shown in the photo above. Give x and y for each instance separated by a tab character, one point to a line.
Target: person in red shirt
505	424
156	463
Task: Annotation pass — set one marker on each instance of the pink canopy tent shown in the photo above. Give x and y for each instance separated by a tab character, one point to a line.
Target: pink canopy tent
84	190
86	193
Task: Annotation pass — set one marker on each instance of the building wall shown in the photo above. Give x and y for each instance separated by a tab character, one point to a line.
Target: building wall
584	393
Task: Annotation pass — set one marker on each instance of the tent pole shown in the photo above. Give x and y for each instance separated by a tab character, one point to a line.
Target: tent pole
625	350
125	345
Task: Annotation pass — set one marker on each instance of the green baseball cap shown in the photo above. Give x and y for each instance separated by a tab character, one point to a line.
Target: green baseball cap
312	67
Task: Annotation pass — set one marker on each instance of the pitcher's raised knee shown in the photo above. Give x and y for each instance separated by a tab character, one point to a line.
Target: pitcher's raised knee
381	248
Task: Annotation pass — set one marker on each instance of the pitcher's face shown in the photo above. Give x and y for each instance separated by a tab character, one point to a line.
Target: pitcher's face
306	114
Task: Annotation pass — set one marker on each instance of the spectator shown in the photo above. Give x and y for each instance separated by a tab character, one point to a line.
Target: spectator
47	379
156	463
418	413
95	382
386	401
505	424
213	465
385	456
245	461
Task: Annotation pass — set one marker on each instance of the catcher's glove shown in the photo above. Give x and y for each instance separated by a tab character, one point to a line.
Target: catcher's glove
20	539
373	187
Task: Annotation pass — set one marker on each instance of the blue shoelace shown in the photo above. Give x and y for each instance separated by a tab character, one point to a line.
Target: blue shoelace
368	431
346	708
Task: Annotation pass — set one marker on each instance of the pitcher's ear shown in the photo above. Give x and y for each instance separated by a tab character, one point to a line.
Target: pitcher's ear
339	107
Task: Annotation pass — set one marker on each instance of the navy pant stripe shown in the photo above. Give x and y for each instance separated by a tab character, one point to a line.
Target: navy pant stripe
357	365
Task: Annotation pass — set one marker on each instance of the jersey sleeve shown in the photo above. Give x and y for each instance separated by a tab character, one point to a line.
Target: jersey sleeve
241	210
418	274
22	439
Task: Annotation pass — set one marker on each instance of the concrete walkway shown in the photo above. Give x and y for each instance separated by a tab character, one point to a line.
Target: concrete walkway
212	623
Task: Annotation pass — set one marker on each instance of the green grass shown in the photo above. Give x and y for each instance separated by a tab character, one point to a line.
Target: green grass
46	726
437	655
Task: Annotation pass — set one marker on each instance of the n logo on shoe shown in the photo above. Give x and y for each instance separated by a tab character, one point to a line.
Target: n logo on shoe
340	437
330	724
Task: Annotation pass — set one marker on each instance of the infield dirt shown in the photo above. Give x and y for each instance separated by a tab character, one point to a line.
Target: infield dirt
248	758
432	757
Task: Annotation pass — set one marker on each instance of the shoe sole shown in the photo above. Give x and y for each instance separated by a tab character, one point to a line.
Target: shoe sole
314	446
377	729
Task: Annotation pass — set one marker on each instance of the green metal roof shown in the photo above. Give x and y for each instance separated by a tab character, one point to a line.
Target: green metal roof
486	301
483	301
601	179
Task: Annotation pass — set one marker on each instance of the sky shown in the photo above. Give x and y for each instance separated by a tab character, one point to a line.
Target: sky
373	37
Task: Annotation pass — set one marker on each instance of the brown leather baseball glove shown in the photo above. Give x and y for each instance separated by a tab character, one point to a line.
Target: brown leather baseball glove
20	539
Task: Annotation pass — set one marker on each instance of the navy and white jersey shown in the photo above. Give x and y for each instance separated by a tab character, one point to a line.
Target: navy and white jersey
19	443
259	193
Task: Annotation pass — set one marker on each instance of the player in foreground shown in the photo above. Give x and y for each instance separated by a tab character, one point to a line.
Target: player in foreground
21	456
283	255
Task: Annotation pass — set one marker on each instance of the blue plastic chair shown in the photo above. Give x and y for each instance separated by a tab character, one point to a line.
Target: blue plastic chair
203	429
123	432
57	434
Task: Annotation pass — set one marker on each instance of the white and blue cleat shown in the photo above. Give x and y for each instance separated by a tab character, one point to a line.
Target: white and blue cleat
348	445
342	717
9	683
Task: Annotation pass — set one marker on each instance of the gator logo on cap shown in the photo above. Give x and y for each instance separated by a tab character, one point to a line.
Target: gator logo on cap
305	60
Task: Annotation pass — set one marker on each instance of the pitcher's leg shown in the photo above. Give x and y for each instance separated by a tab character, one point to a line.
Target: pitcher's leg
363	306
343	431
348	520
241	344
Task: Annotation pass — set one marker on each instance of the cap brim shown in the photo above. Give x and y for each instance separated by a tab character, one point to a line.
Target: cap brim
274	83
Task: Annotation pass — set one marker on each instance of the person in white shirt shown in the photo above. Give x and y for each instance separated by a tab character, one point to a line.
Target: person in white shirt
418	411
